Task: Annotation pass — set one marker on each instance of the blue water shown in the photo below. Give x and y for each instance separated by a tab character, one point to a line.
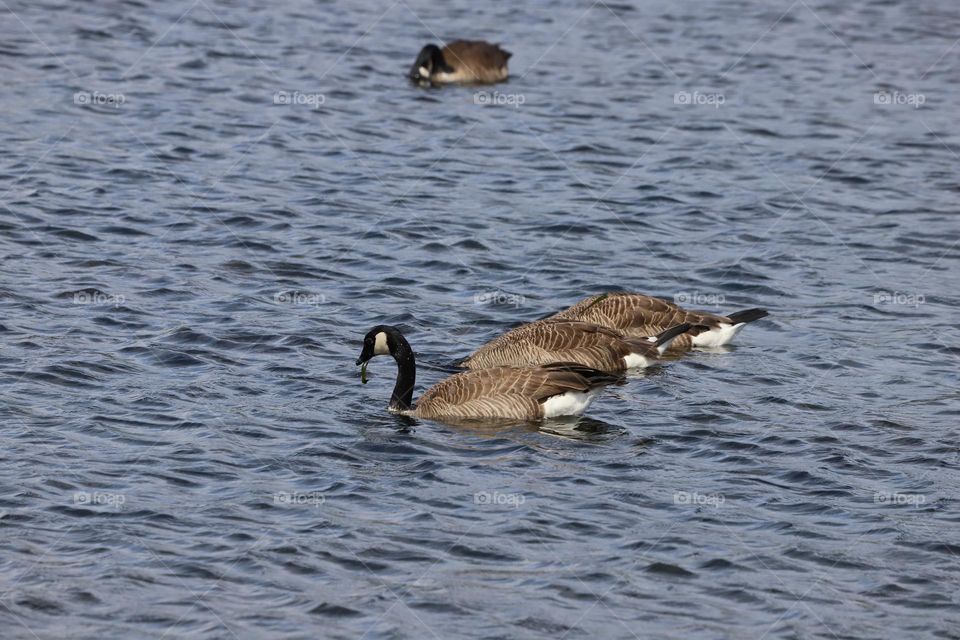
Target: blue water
205	205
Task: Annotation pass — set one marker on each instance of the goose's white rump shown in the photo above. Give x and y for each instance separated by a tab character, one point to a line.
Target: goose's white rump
718	336
571	403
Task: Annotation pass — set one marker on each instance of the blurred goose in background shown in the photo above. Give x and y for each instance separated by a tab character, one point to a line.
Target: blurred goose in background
461	62
638	315
585	343
517	393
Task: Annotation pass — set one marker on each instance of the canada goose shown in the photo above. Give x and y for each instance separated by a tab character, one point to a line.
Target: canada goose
638	315
518	393
461	61
585	343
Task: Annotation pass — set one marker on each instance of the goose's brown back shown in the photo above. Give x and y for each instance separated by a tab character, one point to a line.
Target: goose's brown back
476	61
638	315
585	343
505	392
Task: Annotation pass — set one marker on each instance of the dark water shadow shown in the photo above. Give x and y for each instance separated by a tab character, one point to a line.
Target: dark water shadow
580	428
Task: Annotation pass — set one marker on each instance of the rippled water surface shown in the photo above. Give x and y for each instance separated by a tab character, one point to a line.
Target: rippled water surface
188	270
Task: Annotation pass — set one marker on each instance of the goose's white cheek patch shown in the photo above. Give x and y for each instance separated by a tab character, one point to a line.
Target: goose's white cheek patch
380	347
424	72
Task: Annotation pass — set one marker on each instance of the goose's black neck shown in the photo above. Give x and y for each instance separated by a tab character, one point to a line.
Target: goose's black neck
402	397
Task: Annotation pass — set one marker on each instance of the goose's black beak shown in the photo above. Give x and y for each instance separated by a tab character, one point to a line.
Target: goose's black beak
414	73
362	361
366	354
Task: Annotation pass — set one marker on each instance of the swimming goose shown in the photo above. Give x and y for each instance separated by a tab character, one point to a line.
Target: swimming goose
638	315
585	343
461	61
517	393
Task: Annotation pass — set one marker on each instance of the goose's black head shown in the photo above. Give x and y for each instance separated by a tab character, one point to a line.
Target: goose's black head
384	340
379	341
429	61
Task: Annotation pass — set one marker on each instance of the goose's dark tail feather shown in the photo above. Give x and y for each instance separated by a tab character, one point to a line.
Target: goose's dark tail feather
594	377
447	366
748	316
669	334
697	329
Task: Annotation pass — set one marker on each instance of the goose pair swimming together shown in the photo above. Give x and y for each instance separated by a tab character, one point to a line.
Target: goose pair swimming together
555	366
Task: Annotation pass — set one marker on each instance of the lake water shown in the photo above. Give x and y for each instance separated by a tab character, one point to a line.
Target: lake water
206	204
